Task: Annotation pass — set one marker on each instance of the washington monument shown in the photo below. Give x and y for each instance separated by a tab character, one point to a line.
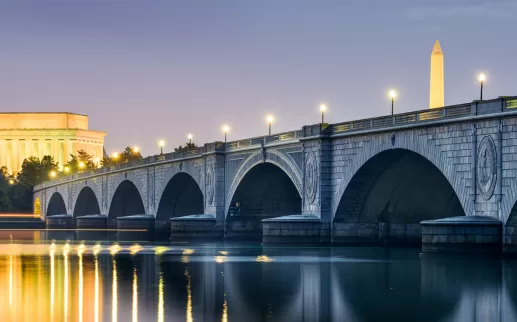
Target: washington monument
436	90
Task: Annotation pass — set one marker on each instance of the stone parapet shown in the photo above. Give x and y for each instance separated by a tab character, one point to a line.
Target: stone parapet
467	234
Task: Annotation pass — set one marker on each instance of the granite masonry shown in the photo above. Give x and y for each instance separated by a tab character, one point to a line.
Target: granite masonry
365	181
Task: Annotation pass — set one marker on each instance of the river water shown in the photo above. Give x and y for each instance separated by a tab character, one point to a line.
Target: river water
248	282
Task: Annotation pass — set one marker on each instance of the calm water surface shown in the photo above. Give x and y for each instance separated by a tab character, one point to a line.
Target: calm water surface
238	282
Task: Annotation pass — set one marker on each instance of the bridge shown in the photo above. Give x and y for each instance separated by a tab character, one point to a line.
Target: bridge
359	181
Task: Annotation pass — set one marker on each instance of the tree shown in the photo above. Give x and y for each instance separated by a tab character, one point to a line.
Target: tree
35	171
5	202
188	146
80	162
129	154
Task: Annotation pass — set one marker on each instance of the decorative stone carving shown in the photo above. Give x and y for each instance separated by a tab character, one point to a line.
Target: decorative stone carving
210	183
486	167
311	176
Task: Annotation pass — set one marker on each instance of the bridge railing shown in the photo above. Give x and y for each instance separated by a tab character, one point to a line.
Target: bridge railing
501	104
402	119
256	141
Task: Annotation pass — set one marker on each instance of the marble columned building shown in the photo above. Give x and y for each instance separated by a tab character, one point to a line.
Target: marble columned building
23	135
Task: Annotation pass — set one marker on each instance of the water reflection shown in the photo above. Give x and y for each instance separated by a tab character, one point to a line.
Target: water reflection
65	283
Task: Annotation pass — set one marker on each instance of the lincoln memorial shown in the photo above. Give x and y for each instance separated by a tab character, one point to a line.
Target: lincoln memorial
23	135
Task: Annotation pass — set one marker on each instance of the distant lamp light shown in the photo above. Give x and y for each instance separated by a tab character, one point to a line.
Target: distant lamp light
323	109
161	144
53	174
482	79
189	137
66	169
226	129
135	149
11	181
270	119
81	165
393	95
114	155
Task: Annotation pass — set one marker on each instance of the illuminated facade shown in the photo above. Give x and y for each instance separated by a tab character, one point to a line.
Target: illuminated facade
436	96
23	135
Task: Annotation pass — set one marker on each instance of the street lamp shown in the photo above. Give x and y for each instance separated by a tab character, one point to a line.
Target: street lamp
66	169
189	137
161	144
11	181
393	95
323	109
135	149
270	120
226	129
481	79
81	165
53	174
114	155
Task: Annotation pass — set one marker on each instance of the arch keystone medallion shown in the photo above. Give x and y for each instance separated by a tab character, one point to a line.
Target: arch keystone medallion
486	167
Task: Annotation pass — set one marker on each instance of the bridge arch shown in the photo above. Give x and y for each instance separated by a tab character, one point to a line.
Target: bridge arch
181	196
418	146
398	187
86	203
126	200
56	205
268	166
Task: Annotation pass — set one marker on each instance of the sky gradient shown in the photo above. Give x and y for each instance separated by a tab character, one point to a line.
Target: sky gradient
144	70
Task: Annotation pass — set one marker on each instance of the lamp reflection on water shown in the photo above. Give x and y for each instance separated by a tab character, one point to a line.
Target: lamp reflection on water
52	278
135	296
114	300
96	297
160	299
189	296
66	248
80	304
10	280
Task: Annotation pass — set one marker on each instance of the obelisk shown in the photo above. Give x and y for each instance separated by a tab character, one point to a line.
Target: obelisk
436	90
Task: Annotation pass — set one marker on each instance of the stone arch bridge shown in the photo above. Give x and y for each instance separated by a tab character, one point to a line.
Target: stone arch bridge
356	181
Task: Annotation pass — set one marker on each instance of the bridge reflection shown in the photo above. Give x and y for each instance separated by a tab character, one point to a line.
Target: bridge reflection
71	283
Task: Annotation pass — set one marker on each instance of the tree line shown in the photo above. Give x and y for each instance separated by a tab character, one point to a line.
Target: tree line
16	190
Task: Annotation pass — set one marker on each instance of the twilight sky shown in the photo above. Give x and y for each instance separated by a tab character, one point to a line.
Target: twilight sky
146	69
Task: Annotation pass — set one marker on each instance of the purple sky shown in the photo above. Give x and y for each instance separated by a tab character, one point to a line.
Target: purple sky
144	70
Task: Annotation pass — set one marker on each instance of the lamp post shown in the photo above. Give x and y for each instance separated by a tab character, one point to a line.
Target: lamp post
226	129
81	165
393	95
135	149
11	181
481	79
53	173
270	120
161	144
323	109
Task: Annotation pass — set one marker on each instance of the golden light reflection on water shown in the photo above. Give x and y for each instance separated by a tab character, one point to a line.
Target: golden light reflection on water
65	297
80	304
135	296
96	292
160	299
189	297
114	300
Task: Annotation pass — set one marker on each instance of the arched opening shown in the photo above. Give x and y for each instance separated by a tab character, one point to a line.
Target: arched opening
266	191
56	205
126	201
86	203
510	232
37	206
181	197
390	195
